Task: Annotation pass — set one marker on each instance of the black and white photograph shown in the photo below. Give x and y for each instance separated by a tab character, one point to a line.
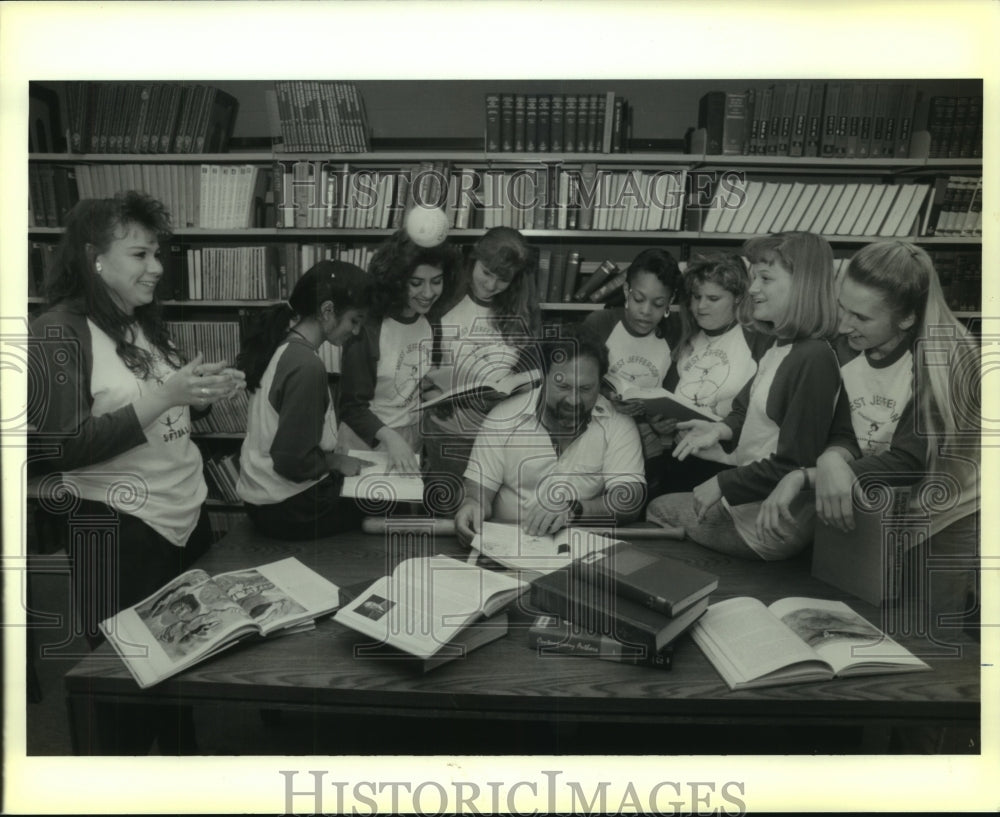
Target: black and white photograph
703	284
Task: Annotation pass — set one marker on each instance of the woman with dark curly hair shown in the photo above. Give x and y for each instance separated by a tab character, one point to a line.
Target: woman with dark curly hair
112	396
382	367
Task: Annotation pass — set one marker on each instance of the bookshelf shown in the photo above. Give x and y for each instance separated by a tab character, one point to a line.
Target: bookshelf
442	127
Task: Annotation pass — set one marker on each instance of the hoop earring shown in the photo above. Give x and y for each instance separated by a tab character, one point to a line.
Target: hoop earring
97	266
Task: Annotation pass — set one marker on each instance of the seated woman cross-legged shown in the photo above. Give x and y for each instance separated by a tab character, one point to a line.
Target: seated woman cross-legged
558	455
781	418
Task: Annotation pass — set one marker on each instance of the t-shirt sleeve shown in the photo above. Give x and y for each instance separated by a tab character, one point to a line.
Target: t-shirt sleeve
623	463
842	429
801	402
59	401
300	396
485	466
359	365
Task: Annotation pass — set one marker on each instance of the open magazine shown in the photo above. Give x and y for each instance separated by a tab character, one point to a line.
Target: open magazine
196	615
376	483
795	640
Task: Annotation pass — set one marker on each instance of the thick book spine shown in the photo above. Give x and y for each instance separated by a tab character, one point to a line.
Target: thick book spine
543	130
604	292
520	123
556	144
570	276
570	109
549	636
531	123
506	123
711	116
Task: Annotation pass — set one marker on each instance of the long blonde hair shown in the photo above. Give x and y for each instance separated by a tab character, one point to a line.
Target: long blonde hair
947	375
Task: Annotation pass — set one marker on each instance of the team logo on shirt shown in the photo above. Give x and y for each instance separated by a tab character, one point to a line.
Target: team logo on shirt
636	370
410	364
710	371
173	418
874	419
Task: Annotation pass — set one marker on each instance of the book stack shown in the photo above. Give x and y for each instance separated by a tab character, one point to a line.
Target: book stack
221	475
322	116
52	192
149	117
955	124
322	195
556	123
216	340
861	209
856	119
960	274
639	599
226	417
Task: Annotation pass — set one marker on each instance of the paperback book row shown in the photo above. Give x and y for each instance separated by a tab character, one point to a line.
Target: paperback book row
221	521
225	197
853	209
226	417
148	117
856	119
222	273
216	340
556	123
221	475
322	116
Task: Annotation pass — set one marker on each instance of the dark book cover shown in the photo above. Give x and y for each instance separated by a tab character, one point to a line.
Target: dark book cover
551	637
774	120
597	608
734	123
570	276
531	123
867	115
543	129
711	114
557	125
570	108
520	123
506	123
800	119
663	584
831	108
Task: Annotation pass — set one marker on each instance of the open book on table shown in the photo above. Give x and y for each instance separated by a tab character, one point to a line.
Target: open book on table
508	545
795	640
429	604
376	483
196	615
452	387
660	402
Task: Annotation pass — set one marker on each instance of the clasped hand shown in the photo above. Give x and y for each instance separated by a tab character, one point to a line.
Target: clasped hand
200	384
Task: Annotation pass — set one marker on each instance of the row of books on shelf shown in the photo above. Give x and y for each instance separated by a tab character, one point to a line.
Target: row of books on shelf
322	116
221	521
852	209
852	120
222	472
216	340
209	195
556	123
223	273
227	416
149	117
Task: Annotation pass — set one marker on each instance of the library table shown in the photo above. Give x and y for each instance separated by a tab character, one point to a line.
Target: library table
316	674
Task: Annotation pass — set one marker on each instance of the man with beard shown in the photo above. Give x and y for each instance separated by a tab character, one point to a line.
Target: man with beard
563	456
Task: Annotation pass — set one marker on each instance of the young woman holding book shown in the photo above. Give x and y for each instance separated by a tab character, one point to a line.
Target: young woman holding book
911	388
290	477
780	420
637	336
382	367
716	356
488	330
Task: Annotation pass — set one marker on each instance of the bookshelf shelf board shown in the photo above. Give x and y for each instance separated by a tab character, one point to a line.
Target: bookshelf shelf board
153	158
223	302
857	240
795	163
560	306
965	316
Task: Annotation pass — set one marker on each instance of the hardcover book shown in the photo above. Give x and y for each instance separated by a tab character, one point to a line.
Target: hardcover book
195	615
551	637
794	641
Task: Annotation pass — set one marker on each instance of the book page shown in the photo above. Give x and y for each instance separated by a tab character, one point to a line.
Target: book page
504	385
752	638
842	637
511	547
280	594
184	622
661	401
376	483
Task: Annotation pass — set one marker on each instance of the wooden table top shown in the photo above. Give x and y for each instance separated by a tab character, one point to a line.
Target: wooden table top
507	677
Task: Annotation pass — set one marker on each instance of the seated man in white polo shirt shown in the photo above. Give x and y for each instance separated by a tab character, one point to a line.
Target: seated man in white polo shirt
562	456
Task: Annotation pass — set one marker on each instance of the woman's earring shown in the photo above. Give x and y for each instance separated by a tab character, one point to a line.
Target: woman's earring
98	266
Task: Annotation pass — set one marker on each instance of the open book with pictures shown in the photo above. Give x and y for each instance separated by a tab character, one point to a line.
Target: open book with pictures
196	615
660	402
376	483
449	385
433	608
795	640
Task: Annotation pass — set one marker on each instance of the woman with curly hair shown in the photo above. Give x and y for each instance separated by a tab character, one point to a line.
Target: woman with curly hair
382	367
